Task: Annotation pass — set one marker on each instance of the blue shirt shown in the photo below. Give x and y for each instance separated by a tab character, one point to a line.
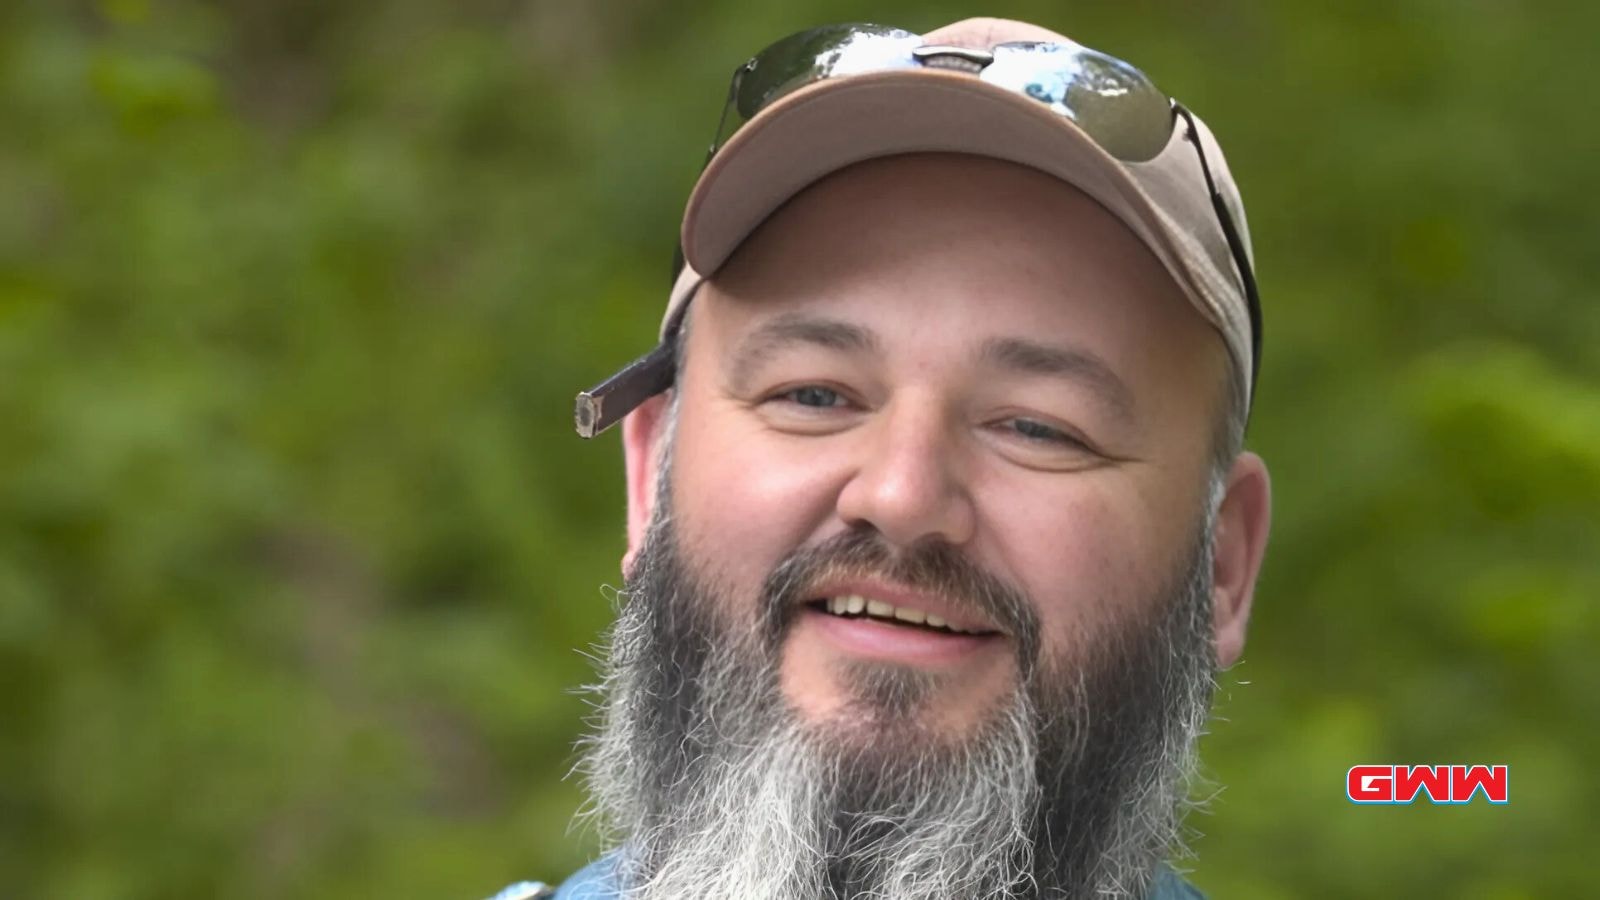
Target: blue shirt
595	882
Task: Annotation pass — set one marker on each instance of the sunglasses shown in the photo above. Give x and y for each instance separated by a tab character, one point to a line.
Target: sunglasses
1111	101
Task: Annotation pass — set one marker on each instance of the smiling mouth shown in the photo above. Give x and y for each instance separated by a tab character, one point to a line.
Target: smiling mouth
855	606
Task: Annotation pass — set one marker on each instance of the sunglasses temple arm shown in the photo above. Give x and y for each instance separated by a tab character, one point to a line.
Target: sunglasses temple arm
715	145
1230	231
1253	299
608	402
722	120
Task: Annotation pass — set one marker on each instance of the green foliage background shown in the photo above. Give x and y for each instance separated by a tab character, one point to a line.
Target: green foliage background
298	551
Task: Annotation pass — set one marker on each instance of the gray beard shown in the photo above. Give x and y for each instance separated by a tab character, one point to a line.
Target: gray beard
711	786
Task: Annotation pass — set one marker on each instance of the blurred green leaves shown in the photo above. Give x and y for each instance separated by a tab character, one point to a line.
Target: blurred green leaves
1523	437
298	552
148	90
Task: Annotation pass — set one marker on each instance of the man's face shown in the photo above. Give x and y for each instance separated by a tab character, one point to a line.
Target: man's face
953	352
926	586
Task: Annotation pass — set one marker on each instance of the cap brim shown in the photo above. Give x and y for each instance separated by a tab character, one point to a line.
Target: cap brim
832	124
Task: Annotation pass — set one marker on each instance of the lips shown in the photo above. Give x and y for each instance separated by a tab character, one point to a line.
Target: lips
906	613
866	605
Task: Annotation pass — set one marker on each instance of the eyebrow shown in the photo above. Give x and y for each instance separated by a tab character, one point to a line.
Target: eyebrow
1033	358
797	328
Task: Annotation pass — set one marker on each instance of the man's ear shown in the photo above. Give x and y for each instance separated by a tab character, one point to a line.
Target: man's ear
642	433
1239	542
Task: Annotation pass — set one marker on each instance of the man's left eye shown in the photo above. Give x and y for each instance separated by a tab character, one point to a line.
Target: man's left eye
813	396
1038	432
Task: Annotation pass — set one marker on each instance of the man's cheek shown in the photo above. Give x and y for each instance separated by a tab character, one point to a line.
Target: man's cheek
732	574
1088	615
1095	581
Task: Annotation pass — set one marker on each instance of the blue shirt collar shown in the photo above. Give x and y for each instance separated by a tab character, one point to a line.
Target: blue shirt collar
596	881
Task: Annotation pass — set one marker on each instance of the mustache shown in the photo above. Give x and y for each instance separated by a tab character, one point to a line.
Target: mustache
934	567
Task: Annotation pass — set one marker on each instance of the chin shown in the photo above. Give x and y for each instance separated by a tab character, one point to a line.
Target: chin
872	704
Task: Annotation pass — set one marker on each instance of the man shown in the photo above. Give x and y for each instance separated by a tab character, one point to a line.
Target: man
942	529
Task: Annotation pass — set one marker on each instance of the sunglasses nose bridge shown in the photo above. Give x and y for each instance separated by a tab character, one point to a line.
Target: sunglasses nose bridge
948	56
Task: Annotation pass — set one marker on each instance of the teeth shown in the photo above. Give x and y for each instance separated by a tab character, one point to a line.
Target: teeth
855	604
914	616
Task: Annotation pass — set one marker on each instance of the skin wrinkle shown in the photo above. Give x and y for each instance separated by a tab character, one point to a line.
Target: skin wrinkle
1062	362
794	328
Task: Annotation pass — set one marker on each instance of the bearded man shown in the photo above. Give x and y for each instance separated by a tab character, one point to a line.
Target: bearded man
939	525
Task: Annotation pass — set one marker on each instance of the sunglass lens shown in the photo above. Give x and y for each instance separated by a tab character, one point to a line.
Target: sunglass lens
825	52
1113	102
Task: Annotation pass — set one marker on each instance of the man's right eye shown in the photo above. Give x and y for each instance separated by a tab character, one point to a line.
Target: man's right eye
813	396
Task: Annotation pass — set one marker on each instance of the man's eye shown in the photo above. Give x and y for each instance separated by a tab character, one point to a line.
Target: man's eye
812	395
1042	433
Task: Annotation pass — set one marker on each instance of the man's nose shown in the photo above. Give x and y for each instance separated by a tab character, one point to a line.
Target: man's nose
909	483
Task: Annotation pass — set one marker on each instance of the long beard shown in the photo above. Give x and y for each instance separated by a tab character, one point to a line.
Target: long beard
713	787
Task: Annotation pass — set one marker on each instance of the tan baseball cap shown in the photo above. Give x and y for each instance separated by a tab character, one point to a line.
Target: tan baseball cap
836	122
